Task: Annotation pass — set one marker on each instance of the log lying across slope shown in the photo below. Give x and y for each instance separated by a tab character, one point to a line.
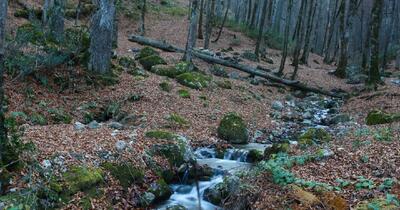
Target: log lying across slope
248	69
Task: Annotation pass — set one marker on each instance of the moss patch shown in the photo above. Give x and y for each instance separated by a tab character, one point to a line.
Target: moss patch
146	52
275	149
176	120
254	156
165	86
232	128
314	135
379	117
126	62
81	178
194	80
125	173
161	190
225	84
184	93
150	61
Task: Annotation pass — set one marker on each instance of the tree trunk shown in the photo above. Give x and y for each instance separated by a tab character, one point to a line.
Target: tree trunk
286	41
209	19
310	23
254	14
341	68
3	130
53	17
388	36
200	28
397	65
191	38
245	68
374	75
223	22
102	35
142	29
248	19
298	38
261	28
331	32
78	11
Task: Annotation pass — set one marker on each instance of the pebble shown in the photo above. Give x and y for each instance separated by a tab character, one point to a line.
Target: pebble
94	125
120	145
79	126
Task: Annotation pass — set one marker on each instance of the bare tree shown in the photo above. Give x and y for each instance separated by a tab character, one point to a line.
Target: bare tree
209	19
261	28
223	22
298	38
53	17
3	130
286	39
102	35
142	30
341	68
397	65
374	77
310	24
200	28
191	38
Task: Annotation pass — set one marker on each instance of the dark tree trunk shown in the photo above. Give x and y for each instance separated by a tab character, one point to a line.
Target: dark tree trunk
261	28
376	16
3	130
286	41
331	32
248	18
298	38
102	37
341	67
388	36
254	14
310	23
200	27
191	39
142	29
209	20
53	17
223	22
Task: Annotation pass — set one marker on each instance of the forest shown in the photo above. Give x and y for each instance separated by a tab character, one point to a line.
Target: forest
200	104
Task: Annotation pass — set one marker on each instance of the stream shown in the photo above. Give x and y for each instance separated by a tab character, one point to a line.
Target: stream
297	116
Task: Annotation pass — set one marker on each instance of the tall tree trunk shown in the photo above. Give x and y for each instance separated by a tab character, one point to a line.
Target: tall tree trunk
366	52
3	130
397	65
388	36
209	19
254	14
328	25
341	67
376	16
191	39
299	38
310	23
261	28
78	11
223	22
53	17
200	28
102	35
142	29
248	18
331	32
286	39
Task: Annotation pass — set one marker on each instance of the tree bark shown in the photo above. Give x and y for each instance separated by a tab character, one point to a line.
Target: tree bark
341	67
331	32
53	17
397	65
223	22
102	35
191	38
3	130
200	27
142	28
245	68
209	20
374	75
286	39
254	14
388	36
261	28
248	18
298	38
310	23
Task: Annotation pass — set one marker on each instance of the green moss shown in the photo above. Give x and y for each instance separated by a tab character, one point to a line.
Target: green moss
219	71
161	190
146	52
314	135
184	93
38	119
25	13
376	203
166	86
225	84
276	148
232	128
171	70
160	134
150	61
126	62
60	116
125	173
379	117
194	80
254	156
81	178
176	120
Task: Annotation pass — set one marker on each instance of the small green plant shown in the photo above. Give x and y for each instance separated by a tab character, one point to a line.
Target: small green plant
364	158
183	93
363	183
384	134
387	184
342	183
134	97
166	86
393	199
176	120
60	116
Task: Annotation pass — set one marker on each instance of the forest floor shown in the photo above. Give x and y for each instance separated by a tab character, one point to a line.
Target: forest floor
355	154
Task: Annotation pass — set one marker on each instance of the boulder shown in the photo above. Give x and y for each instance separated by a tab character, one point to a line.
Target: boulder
233	129
376	117
150	61
161	190
314	135
194	80
277	105
219	192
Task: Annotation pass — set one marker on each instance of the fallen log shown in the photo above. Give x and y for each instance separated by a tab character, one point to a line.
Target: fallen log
248	69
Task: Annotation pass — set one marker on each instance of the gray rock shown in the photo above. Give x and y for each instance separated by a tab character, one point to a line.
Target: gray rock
234	75
133	120
396	82
220	191
94	125
79	126
277	105
147	199
176	207
46	164
115	125
307	115
120	145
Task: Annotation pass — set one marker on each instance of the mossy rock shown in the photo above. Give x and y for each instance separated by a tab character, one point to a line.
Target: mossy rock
60	116
150	61
161	190
255	155
194	80
233	129
176	120
225	84
38	119
126	62
160	134
81	178
125	173
377	117
146	52
176	207
219	71
377	203
166	86
314	135
275	149
184	93
171	70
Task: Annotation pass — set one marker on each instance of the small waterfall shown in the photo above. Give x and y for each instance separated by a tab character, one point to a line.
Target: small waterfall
236	154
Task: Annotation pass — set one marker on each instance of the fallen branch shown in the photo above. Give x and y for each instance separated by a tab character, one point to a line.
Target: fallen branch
248	69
